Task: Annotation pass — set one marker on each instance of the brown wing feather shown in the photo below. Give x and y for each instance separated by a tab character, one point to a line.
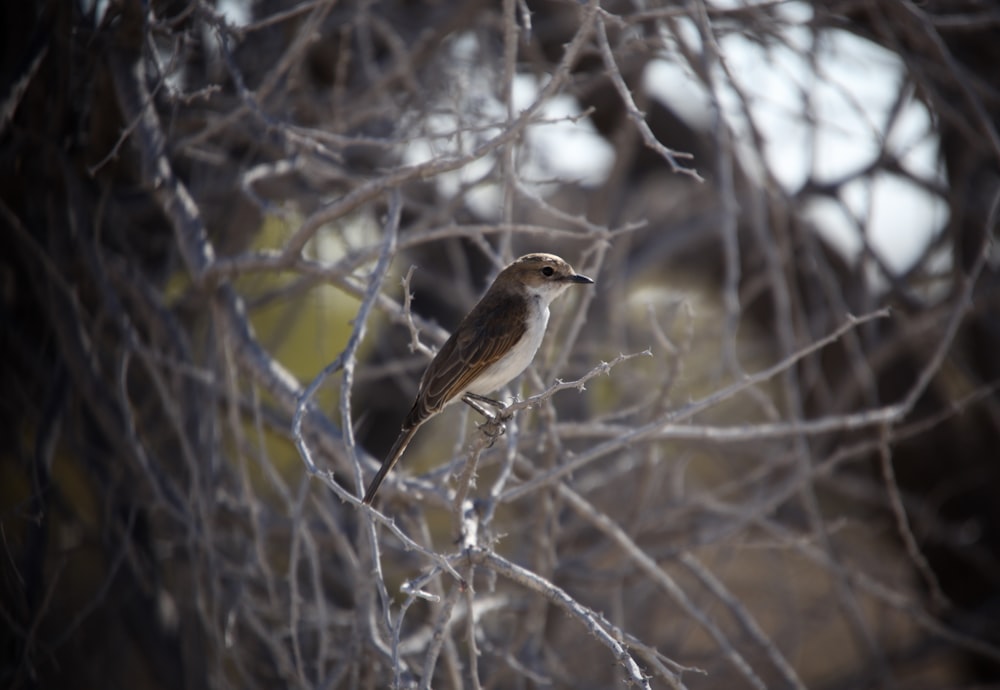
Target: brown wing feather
479	341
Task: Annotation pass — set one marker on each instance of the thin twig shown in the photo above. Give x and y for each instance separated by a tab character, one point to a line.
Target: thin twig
690	410
602	630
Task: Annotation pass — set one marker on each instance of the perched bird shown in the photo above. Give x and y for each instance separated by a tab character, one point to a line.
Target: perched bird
494	343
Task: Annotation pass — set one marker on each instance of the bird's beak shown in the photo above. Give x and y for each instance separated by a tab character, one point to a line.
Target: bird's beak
577	278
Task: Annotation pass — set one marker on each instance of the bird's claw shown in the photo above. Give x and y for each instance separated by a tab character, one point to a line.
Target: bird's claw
494	427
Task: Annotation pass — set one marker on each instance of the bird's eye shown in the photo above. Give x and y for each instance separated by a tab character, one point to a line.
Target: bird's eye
548	271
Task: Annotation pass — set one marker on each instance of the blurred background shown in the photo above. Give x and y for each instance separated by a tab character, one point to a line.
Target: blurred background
789	210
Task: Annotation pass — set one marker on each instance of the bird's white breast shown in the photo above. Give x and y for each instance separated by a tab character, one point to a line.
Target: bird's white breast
520	355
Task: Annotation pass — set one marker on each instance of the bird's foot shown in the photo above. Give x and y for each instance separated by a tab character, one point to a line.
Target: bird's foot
494	427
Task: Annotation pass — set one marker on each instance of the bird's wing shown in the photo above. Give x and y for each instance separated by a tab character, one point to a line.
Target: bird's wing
479	341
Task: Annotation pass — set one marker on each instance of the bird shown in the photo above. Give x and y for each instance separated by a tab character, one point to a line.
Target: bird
492	345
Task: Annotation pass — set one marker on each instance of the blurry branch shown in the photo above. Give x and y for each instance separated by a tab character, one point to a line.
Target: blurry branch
659	576
280	17
638	118
439	639
921	28
710	61
346	359
886	594
292	54
274	260
876	417
415	344
16	88
746	619
107	403
579	220
963	303
743	432
129	77
606	634
938	599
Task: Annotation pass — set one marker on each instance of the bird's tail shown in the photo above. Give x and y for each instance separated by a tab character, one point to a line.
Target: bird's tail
405	436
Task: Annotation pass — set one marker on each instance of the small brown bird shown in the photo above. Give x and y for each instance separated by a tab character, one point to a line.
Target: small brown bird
494	343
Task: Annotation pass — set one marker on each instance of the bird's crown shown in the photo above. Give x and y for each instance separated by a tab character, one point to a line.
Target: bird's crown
536	270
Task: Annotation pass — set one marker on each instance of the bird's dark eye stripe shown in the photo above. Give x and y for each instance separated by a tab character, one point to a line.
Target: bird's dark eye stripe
547	271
